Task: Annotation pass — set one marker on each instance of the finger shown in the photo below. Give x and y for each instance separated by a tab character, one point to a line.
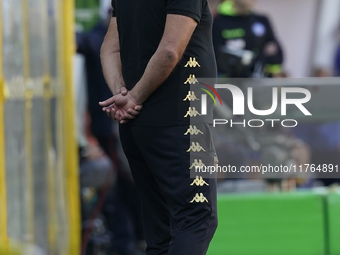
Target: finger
123	91
138	107
110	115
133	112
107	102
108	107
124	115
118	115
113	111
129	117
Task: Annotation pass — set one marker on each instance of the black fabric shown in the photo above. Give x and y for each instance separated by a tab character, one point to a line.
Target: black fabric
257	33
122	208
160	167
141	26
190	8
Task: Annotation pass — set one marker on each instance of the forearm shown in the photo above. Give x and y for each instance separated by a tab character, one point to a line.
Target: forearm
157	71
110	58
112	70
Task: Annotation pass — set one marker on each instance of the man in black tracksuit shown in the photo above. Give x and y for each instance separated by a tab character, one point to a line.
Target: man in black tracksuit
244	42
153	50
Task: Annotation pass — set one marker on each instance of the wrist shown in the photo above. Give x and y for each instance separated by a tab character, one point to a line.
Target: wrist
117	89
133	93
117	85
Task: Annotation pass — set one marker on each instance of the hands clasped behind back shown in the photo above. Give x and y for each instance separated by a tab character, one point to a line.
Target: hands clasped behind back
121	107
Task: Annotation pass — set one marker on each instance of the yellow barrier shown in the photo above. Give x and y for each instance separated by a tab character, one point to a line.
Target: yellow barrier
6	251
3	195
59	180
70	135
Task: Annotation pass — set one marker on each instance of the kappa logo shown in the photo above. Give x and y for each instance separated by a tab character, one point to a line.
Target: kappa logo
197	163
193	130
191	80
199	198
195	147
199	182
192	112
192	63
191	96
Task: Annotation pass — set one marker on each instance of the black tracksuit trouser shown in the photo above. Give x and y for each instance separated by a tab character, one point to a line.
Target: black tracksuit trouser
174	224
